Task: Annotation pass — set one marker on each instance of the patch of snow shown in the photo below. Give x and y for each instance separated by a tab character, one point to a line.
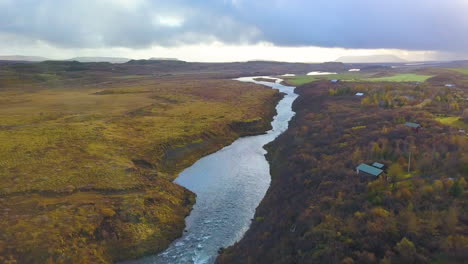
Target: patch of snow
359	94
320	73
354	70
288	75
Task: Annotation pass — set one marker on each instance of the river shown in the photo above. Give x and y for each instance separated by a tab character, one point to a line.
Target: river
229	184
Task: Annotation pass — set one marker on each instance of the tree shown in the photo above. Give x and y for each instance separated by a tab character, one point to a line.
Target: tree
410	221
366	101
406	251
438	185
456	190
357	155
462	182
455	245
395	172
451	220
347	260
465	115
454	106
376	150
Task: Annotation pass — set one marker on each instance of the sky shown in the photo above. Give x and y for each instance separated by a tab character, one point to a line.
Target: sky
235	30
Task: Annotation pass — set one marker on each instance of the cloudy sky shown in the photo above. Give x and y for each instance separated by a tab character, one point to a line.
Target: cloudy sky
235	30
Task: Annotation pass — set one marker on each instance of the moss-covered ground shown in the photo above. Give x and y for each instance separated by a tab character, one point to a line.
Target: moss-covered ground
87	158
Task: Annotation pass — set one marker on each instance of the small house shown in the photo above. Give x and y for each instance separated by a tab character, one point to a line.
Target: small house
367	170
378	165
414	126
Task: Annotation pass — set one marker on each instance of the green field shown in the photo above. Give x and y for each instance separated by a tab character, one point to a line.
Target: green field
453	121
460	70
303	79
404	77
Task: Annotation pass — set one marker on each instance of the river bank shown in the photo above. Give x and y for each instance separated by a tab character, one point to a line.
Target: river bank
318	210
229	184
87	170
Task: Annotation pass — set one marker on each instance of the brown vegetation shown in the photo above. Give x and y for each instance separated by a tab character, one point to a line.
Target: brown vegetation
87	156
318	210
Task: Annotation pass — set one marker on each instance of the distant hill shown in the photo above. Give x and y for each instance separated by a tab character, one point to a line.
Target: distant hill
22	58
100	59
163	59
371	59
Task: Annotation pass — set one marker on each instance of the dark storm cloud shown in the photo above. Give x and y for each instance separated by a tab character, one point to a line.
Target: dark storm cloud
119	23
405	24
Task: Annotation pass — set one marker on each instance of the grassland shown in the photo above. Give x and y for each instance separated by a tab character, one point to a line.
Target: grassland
352	77
454	121
303	79
404	77
460	70
87	158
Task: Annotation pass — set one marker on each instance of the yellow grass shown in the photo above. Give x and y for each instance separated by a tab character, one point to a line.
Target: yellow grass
454	121
66	162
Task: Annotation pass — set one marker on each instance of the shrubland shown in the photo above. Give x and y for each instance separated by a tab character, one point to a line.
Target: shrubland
318	210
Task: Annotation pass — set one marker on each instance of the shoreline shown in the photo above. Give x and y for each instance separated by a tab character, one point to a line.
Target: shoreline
239	129
104	193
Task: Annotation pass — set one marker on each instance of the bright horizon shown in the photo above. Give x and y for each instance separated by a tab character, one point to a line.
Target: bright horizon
219	52
235	30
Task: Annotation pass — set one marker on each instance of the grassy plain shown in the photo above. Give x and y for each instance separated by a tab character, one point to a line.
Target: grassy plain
404	77
460	70
87	158
303	79
454	121
353	77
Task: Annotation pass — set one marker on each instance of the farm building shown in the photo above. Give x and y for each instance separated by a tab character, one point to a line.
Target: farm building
367	170
413	125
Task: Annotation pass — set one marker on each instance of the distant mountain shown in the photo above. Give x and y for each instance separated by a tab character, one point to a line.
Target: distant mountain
163	59
371	59
100	59
22	58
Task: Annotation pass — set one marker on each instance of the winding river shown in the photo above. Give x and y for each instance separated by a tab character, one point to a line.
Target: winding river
229	185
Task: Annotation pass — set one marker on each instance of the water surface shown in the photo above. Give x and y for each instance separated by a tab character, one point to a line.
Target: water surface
229	185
